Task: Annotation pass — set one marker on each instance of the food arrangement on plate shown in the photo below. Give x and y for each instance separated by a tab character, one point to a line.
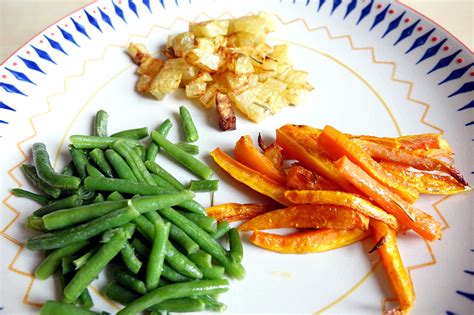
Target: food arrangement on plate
115	209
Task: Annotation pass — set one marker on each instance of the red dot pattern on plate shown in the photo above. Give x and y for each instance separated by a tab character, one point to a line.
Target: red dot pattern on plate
65	25
52	34
379	6
94	11
446	48
407	20
104	8
459	60
41	41
420	28
27	52
14	63
391	11
434	38
471	74
4	76
80	16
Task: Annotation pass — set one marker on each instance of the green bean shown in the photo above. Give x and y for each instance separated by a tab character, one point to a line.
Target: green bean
82	260
98	156
190	131
66	264
80	161
235	245
204	185
130	259
96	263
99	198
154	148
92	142
42	200
120	294
153	167
183	240
140	151
120	166
115	196
130	282
86	299
212	304
136	133
58	308
135	162
46	172
92	171
180	305
174	291
157	254
85	194
52	262
35	223
186	159
222	228
30	173
145	227
205	241
65	203
214	272
187	147
84	231
68	169
201	259
100	124
206	223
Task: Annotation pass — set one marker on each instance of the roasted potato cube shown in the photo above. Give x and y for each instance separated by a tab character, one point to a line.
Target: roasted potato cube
206	44
137	52
203	77
225	113
247	103
188	72
143	83
245	39
182	43
195	89
252	24
280	54
240	82
294	78
208	99
150	66
236	61
204	60
270	95
165	82
210	28
295	96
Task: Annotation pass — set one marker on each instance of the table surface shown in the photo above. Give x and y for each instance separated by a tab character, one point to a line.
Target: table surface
455	15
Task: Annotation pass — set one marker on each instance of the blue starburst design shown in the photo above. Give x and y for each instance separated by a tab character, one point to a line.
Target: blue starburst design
407	32
5	106
43	54
394	24
380	17
321	3
31	65
467	295
54	44
467	87
350	7
67	36
11	88
433	50
444	62
146	3
105	18
420	41
92	21
80	28
335	5
163	3
3	122
365	11
456	74
133	7
20	76
468	106
119	12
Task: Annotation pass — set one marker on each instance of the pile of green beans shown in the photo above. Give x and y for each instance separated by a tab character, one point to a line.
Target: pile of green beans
113	206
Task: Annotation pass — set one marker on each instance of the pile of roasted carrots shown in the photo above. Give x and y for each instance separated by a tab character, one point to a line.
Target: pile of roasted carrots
340	189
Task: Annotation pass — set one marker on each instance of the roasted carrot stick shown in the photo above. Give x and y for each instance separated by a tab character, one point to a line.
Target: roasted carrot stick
250	177
237	211
421	222
310	241
393	265
300	178
274	153
381	152
298	146
336	145
322	197
309	216
426	182
425	142
248	154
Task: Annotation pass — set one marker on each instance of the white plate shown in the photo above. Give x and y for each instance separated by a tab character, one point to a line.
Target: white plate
378	68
